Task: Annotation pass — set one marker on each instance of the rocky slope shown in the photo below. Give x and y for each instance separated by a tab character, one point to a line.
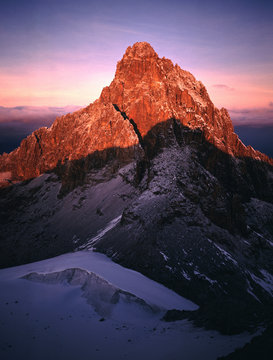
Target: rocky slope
153	175
202	225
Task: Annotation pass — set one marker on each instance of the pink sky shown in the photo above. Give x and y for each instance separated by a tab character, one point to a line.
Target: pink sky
61	84
59	53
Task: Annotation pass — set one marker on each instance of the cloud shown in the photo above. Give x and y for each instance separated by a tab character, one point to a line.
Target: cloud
223	87
18	122
33	114
253	116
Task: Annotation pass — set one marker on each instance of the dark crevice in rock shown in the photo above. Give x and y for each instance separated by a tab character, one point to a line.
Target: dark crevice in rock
116	107
137	132
142	164
38	142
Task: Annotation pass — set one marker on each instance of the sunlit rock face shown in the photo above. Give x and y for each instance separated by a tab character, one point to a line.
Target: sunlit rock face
151	90
146	89
71	137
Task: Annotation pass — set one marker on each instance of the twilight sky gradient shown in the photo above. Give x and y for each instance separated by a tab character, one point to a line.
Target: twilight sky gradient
57	53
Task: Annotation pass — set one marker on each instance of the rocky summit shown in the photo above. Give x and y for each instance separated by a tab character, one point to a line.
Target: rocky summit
145	92
153	175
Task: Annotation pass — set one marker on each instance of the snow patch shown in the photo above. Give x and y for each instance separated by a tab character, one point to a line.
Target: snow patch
224	252
261	236
252	294
99	293
165	257
266	283
186	276
250	291
100	234
125	279
203	276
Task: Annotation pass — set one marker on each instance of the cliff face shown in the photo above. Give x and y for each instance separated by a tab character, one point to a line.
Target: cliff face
73	136
146	91
151	90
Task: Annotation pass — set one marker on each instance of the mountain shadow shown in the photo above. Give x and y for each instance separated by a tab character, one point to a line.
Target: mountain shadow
192	217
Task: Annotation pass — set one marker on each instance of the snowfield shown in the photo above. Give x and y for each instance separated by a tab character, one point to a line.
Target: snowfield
83	305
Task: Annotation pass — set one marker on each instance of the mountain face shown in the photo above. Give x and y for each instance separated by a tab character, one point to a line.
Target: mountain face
153	175
146	91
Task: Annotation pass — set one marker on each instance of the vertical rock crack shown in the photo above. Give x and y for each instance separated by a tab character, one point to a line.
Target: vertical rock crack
133	123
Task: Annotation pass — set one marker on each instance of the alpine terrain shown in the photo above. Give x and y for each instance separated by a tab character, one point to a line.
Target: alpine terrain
152	175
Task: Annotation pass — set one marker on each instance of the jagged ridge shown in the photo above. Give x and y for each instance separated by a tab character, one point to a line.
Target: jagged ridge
148	90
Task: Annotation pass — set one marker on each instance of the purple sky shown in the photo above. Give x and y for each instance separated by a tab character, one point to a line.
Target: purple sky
57	53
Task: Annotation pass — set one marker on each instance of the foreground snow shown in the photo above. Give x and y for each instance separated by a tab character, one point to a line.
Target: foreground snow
58	315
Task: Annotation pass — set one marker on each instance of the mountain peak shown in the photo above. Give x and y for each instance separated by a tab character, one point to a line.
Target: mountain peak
138	60
140	50
146	91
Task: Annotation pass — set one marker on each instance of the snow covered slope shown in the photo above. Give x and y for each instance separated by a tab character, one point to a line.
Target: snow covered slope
56	314
120	277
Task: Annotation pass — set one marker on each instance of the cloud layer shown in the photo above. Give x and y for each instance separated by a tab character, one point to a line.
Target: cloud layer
18	122
33	114
223	87
253	116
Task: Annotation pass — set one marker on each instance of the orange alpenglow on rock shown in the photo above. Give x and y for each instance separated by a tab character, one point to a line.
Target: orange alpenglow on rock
147	90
